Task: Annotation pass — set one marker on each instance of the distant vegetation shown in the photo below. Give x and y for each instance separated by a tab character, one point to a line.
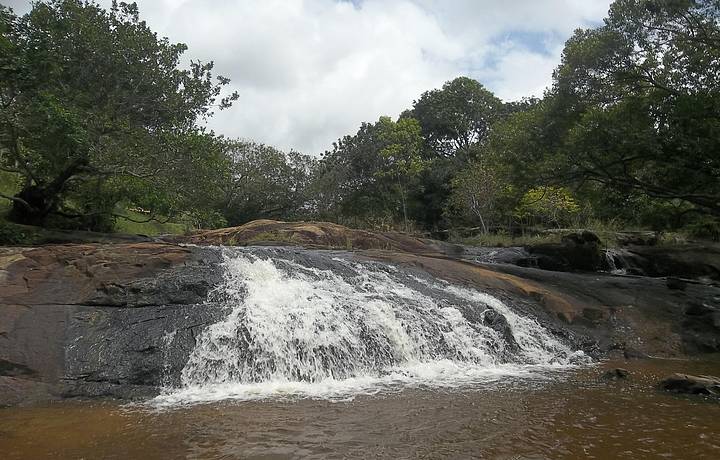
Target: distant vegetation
100	129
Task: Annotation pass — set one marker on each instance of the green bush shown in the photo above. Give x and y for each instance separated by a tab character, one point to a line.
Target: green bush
705	228
12	235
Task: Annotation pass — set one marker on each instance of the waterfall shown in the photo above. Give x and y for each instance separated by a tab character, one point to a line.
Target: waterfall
320	324
616	262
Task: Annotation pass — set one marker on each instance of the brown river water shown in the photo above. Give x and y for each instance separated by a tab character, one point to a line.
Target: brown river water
573	415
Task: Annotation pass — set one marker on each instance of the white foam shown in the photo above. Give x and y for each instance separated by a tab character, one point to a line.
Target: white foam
444	374
297	331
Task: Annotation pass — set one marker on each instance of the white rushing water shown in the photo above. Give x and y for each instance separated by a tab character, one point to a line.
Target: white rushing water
348	328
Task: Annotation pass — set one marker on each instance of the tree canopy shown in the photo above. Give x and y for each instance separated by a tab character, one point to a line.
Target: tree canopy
457	117
99	115
96	109
639	102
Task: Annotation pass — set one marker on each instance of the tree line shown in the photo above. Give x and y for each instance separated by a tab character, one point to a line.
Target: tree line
98	116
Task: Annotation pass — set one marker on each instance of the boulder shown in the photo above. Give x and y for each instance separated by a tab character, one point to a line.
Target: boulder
494	320
616	374
577	251
692	384
676	284
684	261
318	235
94	319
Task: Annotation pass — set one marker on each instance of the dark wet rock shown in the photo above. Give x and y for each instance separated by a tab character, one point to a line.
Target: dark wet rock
702	320
11	369
578	251
692	384
594	314
632	353
96	319
686	261
639	316
675	283
87	320
509	255
580	238
498	322
700	309
616	374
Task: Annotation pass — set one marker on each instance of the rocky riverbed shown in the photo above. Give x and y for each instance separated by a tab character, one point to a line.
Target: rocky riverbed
93	320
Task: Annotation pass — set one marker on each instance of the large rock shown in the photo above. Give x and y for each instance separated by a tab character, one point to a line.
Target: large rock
98	319
686	261
319	235
577	251
634	316
637	238
120	319
692	384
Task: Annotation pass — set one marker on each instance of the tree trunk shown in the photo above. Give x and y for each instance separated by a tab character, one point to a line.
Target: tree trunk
404	208
482	223
38	201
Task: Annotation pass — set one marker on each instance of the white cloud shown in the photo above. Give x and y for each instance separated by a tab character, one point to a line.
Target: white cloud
310	71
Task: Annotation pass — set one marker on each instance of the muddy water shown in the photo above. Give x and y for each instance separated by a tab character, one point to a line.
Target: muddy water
572	415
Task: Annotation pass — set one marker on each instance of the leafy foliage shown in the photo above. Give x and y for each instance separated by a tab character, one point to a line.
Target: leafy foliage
477	195
264	183
457	117
642	96
96	110
100	121
553	206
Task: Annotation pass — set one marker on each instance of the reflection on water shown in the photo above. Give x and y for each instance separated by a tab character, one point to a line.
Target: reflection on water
578	416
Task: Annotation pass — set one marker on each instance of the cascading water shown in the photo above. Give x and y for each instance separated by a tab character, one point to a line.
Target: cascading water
319	324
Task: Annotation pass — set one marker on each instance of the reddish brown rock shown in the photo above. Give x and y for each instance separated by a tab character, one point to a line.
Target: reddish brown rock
318	235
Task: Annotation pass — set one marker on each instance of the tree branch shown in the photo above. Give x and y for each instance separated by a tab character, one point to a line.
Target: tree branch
17	200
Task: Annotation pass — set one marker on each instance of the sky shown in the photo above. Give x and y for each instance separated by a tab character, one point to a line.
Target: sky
310	71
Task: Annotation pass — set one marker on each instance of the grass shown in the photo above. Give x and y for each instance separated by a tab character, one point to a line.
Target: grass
151	228
504	240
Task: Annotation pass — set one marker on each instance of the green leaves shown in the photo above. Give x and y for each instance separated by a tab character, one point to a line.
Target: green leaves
264	182
456	117
94	99
402	144
634	109
547	205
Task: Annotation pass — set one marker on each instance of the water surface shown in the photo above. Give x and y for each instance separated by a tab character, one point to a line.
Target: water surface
575	414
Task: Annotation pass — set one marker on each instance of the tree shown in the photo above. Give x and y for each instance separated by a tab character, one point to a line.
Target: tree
457	117
455	121
346	184
402	144
96	110
264	182
476	191
642	94
371	175
547	205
